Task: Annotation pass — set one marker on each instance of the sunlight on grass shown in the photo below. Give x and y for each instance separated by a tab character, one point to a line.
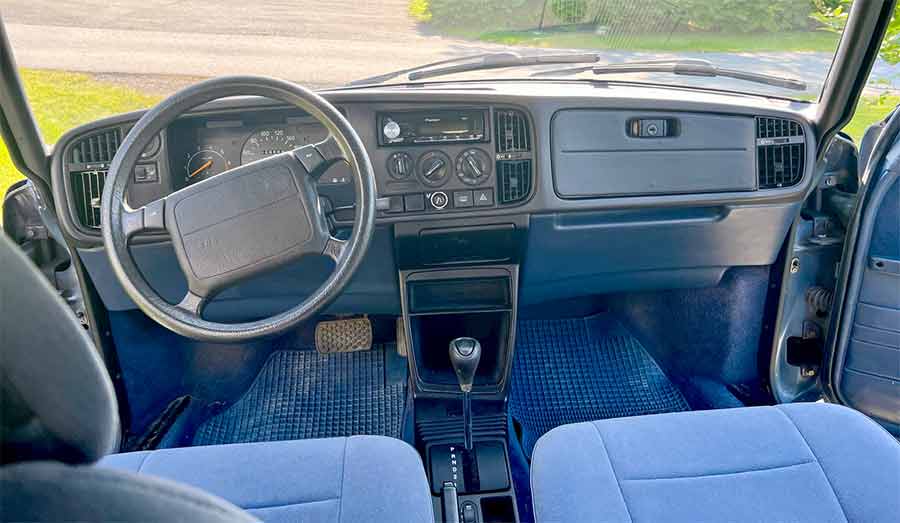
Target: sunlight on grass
61	101
871	109
683	42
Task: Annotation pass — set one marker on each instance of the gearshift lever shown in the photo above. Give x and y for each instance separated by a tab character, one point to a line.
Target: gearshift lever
465	353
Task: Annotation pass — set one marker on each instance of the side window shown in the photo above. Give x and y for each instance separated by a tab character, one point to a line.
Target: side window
882	92
62	100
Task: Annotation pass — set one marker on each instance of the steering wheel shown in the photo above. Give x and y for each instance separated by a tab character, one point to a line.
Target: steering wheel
243	222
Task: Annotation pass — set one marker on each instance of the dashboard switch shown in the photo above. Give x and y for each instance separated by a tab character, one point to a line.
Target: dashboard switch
462	199
414	202
396	204
438	200
146	173
484	198
382	204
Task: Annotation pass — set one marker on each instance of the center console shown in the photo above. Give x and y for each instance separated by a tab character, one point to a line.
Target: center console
459	290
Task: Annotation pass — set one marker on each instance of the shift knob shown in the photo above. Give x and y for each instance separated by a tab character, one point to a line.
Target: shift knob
465	353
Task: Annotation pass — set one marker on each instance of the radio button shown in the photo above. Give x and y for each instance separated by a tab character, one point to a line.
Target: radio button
391	130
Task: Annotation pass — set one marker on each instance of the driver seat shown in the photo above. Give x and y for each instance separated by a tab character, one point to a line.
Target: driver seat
58	418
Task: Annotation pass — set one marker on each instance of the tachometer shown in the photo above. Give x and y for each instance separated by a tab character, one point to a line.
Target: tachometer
268	142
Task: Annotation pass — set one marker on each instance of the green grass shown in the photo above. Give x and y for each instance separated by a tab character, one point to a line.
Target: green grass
61	101
871	109
679	42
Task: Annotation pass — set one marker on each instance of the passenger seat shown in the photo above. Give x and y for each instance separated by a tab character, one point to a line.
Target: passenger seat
798	462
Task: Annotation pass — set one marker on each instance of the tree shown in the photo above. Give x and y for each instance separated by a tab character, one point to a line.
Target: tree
833	14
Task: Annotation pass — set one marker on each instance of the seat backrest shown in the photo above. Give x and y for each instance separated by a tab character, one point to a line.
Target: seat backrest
57	404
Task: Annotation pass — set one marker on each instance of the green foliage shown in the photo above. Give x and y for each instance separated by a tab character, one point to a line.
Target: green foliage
569	11
464	17
833	15
420	10
731	16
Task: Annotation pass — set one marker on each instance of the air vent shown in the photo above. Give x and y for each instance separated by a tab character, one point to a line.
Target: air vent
97	148
87	188
780	152
512	134
514	181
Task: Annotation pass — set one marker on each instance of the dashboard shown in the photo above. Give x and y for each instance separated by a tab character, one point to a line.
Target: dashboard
591	189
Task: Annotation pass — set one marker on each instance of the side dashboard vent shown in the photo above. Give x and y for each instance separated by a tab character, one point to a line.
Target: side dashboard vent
780	152
97	148
511	128
513	181
87	188
514	157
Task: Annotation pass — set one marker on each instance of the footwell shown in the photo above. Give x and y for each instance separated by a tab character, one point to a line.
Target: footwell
301	394
584	369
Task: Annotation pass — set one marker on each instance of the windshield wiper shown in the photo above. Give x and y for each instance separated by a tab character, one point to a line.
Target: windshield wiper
481	62
687	67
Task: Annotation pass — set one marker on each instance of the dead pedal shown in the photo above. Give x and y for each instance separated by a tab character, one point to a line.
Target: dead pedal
350	335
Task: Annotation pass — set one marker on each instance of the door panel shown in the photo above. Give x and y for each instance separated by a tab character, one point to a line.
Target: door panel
866	353
871	374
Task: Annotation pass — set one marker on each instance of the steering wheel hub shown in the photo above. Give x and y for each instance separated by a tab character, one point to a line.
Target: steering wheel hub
243	222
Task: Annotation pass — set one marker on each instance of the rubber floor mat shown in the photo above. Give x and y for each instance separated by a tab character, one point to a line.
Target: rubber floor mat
301	394
573	370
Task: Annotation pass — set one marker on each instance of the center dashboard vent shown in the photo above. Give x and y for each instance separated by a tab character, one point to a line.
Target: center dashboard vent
780	152
88	161
514	156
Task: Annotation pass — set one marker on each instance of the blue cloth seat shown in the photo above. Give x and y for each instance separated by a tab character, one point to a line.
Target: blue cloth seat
798	462
361	478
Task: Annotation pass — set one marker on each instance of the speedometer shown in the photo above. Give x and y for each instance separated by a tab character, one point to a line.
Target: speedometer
267	142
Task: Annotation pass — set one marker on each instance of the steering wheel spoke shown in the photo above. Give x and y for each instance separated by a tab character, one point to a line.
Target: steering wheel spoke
149	218
193	303
317	158
334	248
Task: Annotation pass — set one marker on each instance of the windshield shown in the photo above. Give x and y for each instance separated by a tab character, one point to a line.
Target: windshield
158	46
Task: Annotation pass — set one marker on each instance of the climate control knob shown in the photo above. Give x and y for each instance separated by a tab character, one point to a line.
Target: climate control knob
473	166
434	168
400	165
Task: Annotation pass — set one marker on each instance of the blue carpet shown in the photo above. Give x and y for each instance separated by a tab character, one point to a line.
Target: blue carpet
300	394
573	370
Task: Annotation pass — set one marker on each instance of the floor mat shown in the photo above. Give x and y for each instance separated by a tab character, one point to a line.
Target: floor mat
301	394
573	370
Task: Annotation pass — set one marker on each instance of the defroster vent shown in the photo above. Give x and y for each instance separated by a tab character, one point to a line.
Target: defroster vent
780	152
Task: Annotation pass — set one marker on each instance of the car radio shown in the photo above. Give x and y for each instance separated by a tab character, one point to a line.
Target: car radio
432	127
